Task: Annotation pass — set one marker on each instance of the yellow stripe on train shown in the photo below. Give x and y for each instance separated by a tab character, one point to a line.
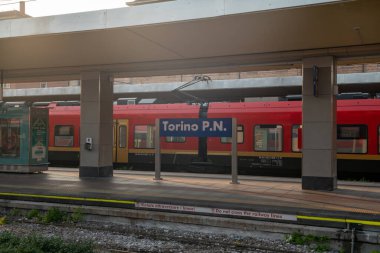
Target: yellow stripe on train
227	153
64	149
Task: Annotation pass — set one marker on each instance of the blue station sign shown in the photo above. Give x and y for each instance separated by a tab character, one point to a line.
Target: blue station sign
217	127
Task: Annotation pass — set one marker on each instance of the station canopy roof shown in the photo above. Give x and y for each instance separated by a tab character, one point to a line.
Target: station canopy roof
182	36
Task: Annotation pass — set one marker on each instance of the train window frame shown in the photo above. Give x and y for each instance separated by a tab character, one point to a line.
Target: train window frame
294	139
172	139
152	138
267	126
71	134
361	132
228	140
122	134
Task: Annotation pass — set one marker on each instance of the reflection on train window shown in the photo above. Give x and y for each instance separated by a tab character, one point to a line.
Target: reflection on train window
64	136
352	139
295	146
144	136
240	136
122	136
175	139
268	138
10	137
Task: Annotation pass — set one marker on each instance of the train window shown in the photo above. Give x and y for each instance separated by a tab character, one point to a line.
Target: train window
175	139
352	139
268	138
64	136
10	138
240	136
144	136
295	147
378	137
122	136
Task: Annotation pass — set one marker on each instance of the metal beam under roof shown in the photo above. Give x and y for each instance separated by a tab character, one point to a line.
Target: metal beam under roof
215	90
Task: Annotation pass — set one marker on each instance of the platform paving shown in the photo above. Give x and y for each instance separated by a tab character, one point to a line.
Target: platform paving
253	197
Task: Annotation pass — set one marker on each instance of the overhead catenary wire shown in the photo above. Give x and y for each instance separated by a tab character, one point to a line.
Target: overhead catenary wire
179	93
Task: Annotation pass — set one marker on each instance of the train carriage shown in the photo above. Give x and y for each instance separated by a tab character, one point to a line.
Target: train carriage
358	131
140	120
269	137
264	136
64	122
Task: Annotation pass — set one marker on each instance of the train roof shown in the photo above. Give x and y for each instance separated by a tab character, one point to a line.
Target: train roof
279	106
156	108
364	105
354	104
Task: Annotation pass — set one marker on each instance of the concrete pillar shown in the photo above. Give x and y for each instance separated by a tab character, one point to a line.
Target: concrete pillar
22	7
96	123
319	171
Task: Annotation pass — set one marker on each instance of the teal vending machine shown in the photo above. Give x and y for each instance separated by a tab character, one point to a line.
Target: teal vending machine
24	132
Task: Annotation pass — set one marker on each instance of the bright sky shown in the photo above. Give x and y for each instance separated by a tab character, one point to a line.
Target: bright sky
39	8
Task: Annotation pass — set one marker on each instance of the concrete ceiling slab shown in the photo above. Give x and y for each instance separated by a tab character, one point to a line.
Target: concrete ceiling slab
217	35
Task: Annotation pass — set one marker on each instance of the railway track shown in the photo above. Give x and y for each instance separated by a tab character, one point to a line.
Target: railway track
199	245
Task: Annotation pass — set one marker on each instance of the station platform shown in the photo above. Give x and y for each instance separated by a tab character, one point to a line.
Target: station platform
255	198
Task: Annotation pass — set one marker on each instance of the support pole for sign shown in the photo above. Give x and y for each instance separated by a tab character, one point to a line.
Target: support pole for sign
234	163
1	85
157	157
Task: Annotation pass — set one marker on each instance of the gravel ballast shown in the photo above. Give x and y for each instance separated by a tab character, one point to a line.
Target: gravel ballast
128	238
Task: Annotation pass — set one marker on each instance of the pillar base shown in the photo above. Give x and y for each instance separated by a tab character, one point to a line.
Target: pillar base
319	183
87	171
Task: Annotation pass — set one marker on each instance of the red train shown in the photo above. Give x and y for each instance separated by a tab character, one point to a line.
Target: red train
267	137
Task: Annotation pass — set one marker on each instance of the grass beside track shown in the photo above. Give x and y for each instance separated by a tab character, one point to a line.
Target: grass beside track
10	243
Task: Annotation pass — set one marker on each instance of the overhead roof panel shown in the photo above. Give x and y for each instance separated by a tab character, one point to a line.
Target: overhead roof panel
191	34
321	26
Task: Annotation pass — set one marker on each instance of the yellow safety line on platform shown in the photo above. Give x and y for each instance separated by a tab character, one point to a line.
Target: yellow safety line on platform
363	222
67	198
65	149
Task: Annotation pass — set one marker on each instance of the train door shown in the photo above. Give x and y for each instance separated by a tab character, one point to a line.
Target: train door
120	143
